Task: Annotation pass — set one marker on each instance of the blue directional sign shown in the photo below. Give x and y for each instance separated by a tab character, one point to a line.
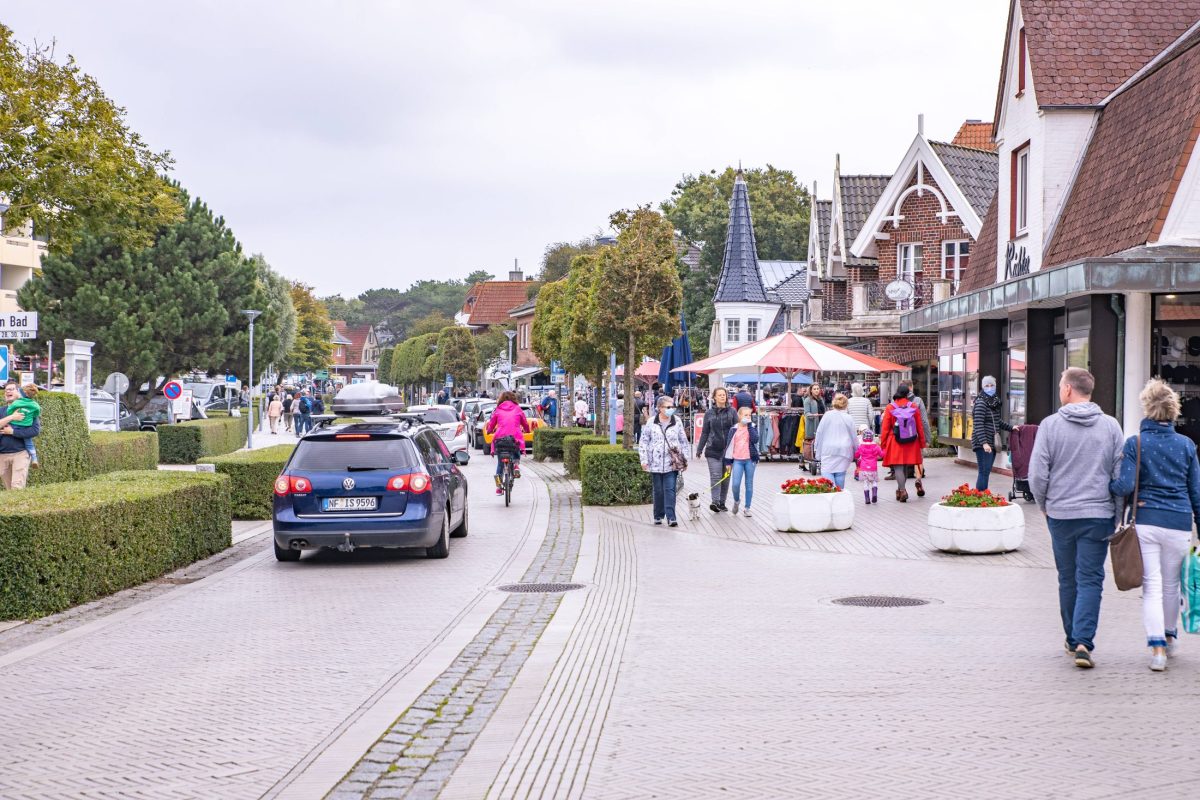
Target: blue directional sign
3	363
231	379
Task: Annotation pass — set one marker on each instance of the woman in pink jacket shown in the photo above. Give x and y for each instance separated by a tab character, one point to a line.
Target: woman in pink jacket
508	421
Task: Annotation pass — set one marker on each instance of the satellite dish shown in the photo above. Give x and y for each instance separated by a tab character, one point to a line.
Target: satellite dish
116	384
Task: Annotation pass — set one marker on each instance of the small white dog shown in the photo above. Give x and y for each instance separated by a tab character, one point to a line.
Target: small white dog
693	500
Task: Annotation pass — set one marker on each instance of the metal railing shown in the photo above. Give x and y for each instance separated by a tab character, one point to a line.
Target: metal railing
877	299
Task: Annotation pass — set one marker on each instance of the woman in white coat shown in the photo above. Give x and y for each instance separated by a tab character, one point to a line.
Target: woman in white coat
836	442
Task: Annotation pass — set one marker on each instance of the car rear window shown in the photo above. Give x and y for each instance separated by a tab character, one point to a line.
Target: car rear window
338	454
438	416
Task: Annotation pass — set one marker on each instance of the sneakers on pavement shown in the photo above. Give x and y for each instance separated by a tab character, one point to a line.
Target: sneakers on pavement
1083	659
713	507
658	522
1158	663
736	505
499	490
672	524
747	513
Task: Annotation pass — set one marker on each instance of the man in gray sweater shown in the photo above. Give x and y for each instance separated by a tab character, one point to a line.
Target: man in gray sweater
1076	454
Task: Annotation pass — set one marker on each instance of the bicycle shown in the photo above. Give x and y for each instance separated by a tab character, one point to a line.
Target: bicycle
507	469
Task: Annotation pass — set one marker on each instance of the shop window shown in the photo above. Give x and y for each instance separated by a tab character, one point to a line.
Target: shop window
733	330
943	423
1015	381
954	262
751	330
908	262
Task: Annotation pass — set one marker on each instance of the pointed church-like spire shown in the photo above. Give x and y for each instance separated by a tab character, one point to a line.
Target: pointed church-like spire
740	281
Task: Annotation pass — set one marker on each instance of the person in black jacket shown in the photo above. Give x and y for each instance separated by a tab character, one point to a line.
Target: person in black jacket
714	436
986	422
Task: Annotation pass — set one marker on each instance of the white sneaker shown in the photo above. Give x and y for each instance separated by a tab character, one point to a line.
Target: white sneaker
736	505
1158	663
747	513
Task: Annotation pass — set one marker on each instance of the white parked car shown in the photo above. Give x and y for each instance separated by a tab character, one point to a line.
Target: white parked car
445	421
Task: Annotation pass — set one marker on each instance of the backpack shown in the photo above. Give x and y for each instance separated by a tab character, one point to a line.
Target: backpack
905	423
305	405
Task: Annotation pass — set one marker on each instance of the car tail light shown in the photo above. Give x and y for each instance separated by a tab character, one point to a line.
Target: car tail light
416	482
292	484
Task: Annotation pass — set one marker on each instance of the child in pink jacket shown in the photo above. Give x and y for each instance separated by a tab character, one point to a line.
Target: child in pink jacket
866	461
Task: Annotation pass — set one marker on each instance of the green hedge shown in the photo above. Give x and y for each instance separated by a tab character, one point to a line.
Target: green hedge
66	544
571	446
253	473
613	476
62	445
548	442
188	442
111	451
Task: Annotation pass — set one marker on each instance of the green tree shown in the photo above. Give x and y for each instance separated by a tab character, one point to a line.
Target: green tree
68	159
168	308
557	259
274	331
456	355
583	352
637	296
547	333
384	368
433	322
313	347
699	210
348	311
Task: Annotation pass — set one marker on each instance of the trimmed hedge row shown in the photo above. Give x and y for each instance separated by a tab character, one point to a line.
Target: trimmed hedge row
66	544
571	446
253	474
548	442
110	451
63	443
613	476
188	442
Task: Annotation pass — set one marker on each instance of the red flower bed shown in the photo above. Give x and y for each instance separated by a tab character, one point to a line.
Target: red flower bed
809	486
966	497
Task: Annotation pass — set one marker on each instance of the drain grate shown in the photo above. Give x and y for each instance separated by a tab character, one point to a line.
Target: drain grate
879	601
539	588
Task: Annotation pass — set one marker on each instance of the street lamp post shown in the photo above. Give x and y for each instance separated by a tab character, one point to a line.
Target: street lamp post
511	335
251	315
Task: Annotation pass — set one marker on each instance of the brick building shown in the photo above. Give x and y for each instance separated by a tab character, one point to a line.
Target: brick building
1090	250
355	351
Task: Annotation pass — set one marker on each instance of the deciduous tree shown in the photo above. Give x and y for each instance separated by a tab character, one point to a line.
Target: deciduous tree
313	348
456	355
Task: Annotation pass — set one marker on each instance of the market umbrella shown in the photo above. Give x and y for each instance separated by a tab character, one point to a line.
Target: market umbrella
646	371
787	354
677	353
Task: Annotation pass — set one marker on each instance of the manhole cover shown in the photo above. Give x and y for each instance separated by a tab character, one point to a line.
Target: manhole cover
539	588
879	601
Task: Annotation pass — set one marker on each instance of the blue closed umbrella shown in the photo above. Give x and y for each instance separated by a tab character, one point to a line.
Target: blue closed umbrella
677	353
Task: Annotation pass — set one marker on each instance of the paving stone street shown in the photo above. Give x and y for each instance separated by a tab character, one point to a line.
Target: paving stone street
704	661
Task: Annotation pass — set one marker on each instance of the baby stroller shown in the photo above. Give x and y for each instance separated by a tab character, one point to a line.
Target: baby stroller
1020	445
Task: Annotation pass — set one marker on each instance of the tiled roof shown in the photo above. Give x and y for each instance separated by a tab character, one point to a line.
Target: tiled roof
860	193
794	290
1080	52
776	325
1133	164
339	332
824	211
775	272
488	302
525	308
975	134
740	281
977	172
981	268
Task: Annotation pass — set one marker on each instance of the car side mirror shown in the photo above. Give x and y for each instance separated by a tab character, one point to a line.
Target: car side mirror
462	457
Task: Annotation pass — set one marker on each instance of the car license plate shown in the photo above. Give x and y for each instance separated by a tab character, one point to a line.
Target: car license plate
349	503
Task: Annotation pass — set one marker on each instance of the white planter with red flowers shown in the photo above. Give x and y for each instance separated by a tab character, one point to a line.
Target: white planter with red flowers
971	521
808	505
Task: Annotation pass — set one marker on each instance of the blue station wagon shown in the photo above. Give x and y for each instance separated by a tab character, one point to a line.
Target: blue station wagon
385	484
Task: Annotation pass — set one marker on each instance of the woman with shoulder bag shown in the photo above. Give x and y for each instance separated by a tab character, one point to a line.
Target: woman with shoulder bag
1159	468
714	436
985	424
663	452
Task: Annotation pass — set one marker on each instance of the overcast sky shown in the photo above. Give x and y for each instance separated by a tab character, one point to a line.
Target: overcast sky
368	143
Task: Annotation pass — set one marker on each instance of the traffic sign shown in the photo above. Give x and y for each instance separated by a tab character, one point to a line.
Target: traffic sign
18	325
231	379
172	391
3	362
116	383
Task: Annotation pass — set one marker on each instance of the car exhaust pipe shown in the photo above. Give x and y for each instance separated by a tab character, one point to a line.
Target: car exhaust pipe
298	544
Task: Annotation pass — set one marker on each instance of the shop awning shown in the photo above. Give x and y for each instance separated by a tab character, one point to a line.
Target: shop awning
1143	269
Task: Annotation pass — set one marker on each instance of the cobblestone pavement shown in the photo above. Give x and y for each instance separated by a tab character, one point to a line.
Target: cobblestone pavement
217	689
416	756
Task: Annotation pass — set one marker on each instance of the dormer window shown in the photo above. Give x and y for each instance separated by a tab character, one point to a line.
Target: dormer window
1021	58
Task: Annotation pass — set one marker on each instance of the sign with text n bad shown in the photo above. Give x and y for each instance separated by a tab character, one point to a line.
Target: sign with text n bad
18	325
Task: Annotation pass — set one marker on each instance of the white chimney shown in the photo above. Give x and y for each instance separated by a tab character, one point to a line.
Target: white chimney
516	274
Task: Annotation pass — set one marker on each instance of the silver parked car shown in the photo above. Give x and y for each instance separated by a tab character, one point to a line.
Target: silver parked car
367	398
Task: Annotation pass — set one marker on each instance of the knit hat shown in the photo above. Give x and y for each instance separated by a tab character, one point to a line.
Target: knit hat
868	437
987	381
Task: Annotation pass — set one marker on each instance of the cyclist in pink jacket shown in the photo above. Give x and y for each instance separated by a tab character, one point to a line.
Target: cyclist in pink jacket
508	422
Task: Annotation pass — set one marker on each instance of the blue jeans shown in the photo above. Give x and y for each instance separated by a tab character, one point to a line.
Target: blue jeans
664	495
838	478
743	471
512	452
1080	550
305	424
985	461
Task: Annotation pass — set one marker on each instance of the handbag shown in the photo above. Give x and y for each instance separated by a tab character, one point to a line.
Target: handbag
1190	589
1123	546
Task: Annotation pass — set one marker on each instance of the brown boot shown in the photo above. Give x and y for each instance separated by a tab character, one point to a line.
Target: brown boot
902	495
920	489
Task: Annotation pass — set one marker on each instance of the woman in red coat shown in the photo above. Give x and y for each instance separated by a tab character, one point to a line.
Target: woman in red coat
902	437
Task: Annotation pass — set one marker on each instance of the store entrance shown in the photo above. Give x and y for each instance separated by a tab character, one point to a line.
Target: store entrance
1176	358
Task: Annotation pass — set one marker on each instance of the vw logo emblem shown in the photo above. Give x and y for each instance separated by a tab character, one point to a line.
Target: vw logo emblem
348	484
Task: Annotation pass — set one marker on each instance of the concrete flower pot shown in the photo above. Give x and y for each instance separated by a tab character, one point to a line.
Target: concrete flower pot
809	513
953	529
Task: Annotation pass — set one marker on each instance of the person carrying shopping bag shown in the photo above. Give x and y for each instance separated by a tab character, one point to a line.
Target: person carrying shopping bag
741	457
663	451
1160	470
714	438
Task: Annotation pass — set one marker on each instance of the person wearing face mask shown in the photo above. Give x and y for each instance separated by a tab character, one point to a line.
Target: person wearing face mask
986	420
663	451
741	457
